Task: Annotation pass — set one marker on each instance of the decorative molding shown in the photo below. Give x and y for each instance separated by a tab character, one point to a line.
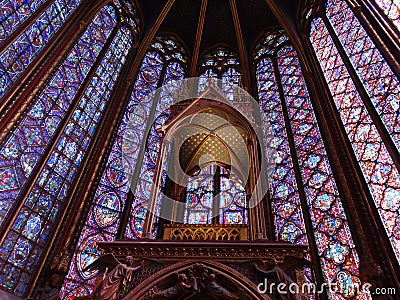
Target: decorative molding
175	250
205	232
243	284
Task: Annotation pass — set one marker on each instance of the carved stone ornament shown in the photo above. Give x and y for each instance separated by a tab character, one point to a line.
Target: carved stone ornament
198	279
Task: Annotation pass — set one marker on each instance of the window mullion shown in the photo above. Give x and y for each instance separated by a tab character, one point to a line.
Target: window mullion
83	201
93	145
23	25
299	180
142	151
391	147
16	100
379	17
378	37
23	54
331	127
46	155
216	195
131	197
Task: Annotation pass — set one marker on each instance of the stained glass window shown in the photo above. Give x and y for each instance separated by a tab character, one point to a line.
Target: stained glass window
391	8
17	57
108	204
201	195
278	66
377	165
220	64
174	62
288	217
27	143
381	84
13	13
31	230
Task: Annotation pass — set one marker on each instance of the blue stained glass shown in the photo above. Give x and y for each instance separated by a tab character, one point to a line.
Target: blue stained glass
150	78
330	226
201	196
38	226
287	212
233	202
317	178
285	202
26	144
112	191
17	57
13	13
220	64
198	200
230	78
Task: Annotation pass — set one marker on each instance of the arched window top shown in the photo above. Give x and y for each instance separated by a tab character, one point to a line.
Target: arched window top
170	48
126	7
129	15
222	64
270	43
219	60
220	57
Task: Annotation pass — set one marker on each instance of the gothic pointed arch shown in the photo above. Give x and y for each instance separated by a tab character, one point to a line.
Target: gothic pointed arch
209	275
220	63
211	145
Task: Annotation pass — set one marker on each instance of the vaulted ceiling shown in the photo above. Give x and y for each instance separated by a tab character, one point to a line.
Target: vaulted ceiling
221	18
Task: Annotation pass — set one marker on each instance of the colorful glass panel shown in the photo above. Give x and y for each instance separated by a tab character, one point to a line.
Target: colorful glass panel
174	73
25	146
278	65
44	203
201	194
17	57
284	195
230	80
13	13
112	191
199	197
206	79
380	173
391	8
233	207
381	84
220	59
332	233
111	194
223	65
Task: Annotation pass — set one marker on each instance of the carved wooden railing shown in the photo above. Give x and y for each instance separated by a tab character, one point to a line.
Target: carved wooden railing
205	232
